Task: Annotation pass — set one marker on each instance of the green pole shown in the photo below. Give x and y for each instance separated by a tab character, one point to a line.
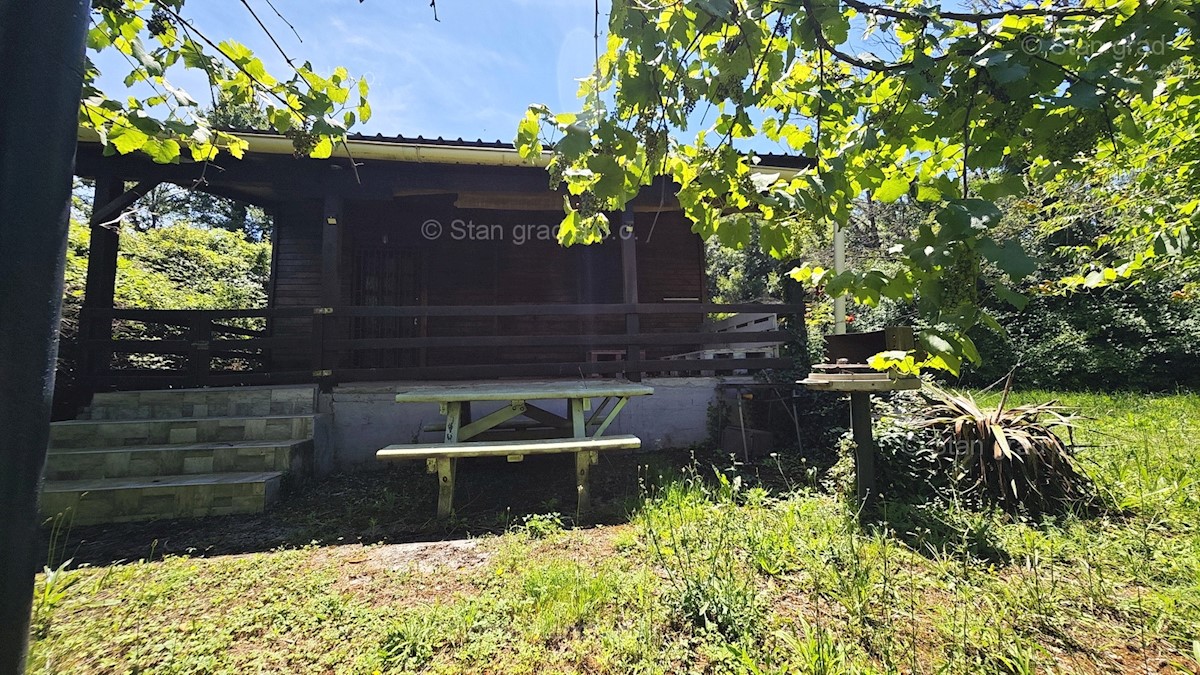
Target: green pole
41	52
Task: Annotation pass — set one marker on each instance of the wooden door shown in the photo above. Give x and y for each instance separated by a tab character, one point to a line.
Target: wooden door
391	277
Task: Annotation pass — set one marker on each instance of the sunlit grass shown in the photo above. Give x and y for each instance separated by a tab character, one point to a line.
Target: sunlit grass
711	574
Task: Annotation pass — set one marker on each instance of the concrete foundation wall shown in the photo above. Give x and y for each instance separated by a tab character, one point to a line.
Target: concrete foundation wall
367	418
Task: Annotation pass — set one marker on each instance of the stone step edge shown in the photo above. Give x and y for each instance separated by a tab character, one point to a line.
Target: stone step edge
145	420
180	481
182	447
192	390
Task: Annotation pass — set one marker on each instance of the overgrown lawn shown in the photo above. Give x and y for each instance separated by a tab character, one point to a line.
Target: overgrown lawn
712	573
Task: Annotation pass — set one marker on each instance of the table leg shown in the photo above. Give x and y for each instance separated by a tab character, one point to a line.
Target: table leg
864	442
446	465
583	465
583	459
453	420
445	469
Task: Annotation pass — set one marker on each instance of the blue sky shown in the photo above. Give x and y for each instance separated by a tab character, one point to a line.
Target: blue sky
471	74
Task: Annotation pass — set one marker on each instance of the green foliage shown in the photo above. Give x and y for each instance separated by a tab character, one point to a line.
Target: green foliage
944	446
696	541
171	267
54	589
159	42
541	525
940	97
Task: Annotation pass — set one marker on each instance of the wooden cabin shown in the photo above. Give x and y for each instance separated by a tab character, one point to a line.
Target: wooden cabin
420	260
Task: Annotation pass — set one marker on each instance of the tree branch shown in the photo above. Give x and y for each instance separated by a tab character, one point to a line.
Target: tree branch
973	17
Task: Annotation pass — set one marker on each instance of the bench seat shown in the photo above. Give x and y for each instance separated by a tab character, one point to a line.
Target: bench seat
543	446
442	458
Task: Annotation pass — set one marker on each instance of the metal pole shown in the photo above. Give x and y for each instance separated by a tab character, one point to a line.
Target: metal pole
41	47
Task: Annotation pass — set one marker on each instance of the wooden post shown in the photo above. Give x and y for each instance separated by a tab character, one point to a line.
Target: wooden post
331	251
199	357
629	277
797	346
102	251
864	451
101	286
41	47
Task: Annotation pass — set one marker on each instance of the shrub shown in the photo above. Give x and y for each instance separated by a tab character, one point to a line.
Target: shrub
944	445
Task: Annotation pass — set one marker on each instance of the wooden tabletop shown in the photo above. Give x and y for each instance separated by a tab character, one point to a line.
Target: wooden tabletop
520	390
868	385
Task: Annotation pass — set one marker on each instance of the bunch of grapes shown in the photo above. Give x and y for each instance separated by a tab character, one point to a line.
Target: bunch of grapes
160	22
960	280
555	171
303	140
589	204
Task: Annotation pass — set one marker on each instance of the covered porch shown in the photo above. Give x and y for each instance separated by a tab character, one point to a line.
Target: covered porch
425	260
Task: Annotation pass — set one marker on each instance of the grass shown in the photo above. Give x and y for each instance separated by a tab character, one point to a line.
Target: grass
711	573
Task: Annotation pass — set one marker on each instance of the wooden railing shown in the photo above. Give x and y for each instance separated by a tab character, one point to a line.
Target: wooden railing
195	348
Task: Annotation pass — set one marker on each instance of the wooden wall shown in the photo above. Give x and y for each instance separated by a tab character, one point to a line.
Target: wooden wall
489	257
296	275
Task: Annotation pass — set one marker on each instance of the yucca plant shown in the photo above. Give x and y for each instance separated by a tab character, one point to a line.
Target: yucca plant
1014	458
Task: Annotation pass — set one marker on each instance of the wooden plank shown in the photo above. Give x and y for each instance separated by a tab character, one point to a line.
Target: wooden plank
585	340
521	390
564	309
182	317
874	384
180	346
557	369
505	448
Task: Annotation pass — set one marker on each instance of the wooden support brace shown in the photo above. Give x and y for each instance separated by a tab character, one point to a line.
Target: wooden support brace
594	419
546	417
612	415
112	209
469	431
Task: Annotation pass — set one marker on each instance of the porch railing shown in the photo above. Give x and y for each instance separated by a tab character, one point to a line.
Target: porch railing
278	345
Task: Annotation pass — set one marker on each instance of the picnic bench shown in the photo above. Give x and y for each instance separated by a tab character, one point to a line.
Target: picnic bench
519	427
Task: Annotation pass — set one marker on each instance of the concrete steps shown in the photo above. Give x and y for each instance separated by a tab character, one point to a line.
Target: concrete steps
107	433
182	453
116	500
175	460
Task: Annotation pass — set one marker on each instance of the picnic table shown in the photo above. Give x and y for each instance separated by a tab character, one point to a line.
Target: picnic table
519	427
